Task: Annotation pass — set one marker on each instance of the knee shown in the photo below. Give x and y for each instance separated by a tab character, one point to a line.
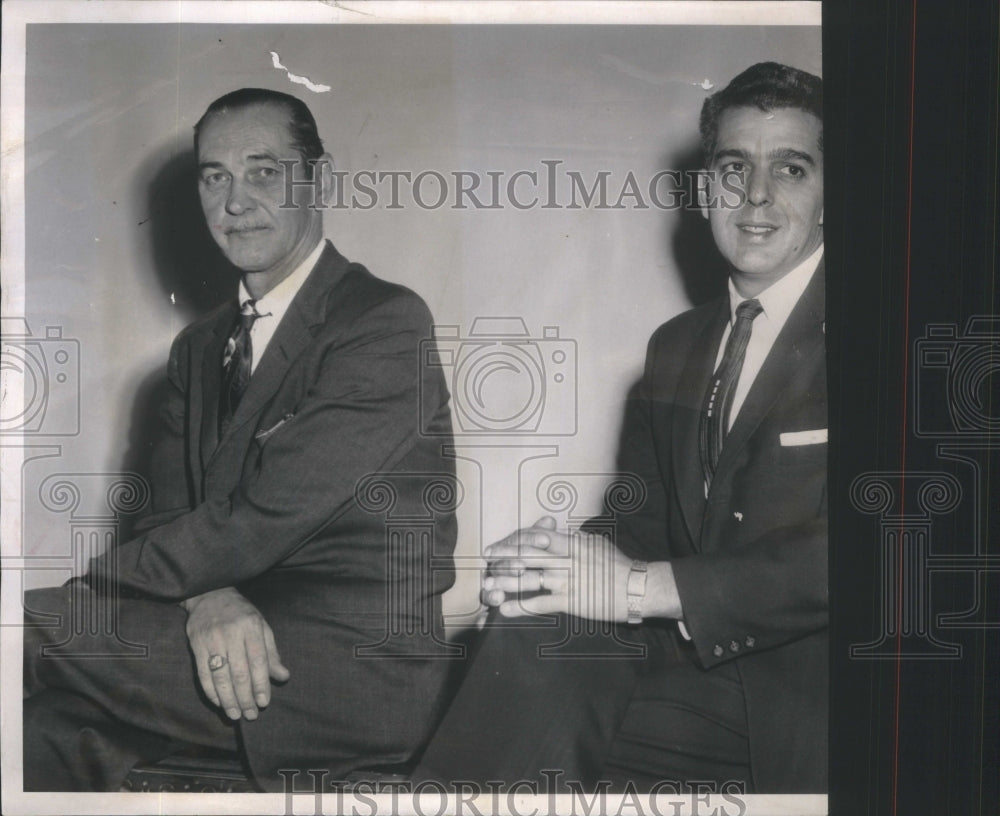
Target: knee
66	745
48	736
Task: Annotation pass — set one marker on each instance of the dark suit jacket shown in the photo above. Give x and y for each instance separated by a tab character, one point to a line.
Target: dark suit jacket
750	561
750	564
281	509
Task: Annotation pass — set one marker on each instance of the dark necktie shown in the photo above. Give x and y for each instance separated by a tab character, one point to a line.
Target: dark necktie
236	364
719	397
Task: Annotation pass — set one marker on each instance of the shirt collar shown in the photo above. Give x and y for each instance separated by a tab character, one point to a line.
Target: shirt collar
277	300
780	297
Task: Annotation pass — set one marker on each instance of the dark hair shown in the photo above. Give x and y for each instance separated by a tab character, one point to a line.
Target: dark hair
766	85
301	125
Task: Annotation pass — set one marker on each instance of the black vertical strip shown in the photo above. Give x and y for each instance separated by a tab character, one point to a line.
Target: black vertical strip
914	736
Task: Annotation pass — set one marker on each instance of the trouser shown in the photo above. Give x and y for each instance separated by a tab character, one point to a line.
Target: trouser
589	711
97	704
683	726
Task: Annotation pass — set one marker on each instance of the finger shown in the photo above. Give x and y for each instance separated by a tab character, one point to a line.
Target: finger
545	523
530	581
489	594
533	560
223	684
518	542
239	671
538	605
493	597
257	662
506	566
205	676
277	669
527	551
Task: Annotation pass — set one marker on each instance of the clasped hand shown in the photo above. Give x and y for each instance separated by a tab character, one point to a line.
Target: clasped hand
234	652
574	572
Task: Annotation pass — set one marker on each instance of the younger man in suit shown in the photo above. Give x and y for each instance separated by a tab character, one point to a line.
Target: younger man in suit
722	573
292	414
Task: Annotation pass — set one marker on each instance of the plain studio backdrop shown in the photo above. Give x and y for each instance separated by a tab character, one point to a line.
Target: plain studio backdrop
118	260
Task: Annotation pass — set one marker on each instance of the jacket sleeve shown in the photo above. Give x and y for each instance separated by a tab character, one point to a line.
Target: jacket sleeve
360	414
748	585
170	488
767	593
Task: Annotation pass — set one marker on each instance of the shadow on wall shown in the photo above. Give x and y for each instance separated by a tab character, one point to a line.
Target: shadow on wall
188	266
186	260
702	269
144	430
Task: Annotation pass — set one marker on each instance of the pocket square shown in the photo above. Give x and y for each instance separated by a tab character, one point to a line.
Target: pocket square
792	438
260	436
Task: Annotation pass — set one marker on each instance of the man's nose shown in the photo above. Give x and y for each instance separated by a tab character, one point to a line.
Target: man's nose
758	188
239	199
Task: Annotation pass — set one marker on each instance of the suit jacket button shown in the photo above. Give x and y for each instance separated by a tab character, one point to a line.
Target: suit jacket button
734	646
718	651
751	641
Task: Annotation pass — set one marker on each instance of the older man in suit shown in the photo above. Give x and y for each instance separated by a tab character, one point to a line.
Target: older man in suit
722	574
293	422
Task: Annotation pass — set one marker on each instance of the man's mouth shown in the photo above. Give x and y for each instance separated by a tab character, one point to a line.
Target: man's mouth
756	229
245	230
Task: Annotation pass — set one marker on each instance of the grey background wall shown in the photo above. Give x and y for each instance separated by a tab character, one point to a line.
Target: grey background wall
117	259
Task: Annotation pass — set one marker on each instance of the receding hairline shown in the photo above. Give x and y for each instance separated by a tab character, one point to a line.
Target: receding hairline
211	116
258	104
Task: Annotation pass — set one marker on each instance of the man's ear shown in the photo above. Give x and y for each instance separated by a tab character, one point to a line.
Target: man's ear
702	193
324	173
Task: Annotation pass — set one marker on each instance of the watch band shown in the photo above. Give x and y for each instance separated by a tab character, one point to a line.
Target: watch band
635	591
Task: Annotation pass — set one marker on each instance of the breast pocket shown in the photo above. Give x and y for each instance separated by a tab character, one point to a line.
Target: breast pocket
796	457
266	433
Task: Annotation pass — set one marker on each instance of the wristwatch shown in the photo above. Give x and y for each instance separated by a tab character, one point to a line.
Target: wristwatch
635	591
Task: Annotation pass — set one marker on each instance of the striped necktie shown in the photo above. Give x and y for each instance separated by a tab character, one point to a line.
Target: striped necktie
236	363
719	396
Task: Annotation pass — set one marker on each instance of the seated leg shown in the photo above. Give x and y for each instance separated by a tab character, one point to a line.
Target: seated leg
89	718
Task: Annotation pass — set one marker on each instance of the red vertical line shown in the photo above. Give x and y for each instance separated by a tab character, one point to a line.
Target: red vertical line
906	379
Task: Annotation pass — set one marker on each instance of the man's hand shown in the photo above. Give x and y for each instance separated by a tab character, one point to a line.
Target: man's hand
578	573
234	652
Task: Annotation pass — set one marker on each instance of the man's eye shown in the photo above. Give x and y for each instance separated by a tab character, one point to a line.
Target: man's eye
214	179
735	167
792	170
264	173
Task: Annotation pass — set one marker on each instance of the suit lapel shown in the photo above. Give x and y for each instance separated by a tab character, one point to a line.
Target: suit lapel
801	340
211	380
688	475
306	311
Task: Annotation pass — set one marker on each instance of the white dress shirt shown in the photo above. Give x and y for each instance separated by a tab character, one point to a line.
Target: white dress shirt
777	300
274	304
